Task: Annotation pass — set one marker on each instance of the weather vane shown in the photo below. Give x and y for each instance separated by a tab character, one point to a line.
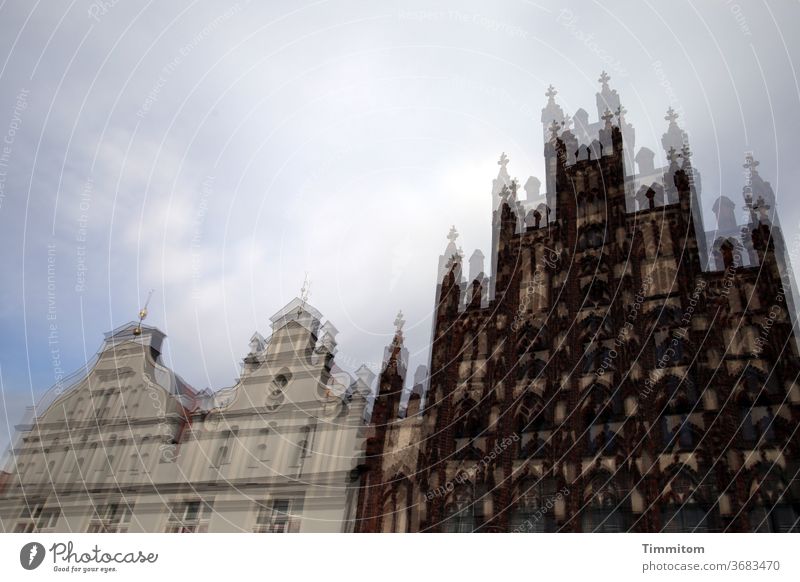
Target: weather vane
142	315
305	290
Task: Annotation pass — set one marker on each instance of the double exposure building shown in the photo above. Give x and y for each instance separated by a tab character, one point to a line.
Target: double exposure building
608	374
617	367
127	445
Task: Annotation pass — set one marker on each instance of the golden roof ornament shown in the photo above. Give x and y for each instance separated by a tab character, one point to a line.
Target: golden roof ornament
142	315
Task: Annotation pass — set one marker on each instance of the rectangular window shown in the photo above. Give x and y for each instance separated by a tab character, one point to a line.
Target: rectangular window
189	517
279	516
37	518
111	518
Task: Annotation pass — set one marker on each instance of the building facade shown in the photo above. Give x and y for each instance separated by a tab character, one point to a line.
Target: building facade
607	375
127	445
617	368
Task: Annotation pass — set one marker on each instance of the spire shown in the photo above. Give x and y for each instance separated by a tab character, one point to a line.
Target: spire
305	290
675	137
396	356
607	98
552	112
621	111
604	79
503	179
755	187
607	117
551	95
476	268
451	253
554	127
399	322
686	155
452	236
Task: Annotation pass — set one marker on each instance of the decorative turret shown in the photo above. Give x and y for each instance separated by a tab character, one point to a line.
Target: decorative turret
476	265
675	137
255	357
725	211
756	192
502	180
451	254
327	341
552	112
607	98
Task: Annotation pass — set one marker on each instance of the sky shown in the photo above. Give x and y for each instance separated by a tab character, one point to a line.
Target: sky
216	152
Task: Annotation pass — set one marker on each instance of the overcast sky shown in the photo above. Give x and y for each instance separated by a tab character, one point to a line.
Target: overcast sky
217	152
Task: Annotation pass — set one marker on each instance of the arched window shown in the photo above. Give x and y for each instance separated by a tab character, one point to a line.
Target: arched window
261	453
133	463
604	441
684	513
772	510
684	508
533	511
603	511
460	512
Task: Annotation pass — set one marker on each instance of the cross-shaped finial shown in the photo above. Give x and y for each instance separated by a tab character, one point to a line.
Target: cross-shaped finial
671	116
554	127
305	290
604	79
503	161
672	155
621	111
551	93
750	163
567	122
685	151
453	234
607	116
399	321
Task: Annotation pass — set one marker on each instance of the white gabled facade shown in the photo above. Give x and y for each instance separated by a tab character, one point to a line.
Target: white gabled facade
129	446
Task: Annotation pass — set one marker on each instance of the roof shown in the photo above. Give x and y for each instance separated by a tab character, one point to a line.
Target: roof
292	307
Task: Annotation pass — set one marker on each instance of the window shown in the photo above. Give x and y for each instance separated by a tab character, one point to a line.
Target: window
531	514
189	517
303	450
278	516
460	513
111	518
37	518
223	456
780	518
688	517
603	512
